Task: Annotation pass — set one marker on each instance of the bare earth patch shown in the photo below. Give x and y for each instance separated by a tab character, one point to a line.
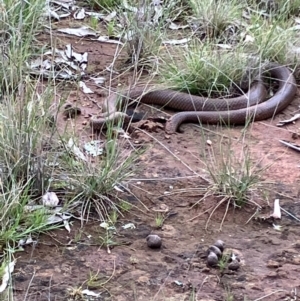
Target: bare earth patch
270	259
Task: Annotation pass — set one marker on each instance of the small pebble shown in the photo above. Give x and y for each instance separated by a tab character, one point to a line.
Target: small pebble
212	259
153	241
215	250
219	244
234	265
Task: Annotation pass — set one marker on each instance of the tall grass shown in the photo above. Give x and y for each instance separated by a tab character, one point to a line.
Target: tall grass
271	41
201	68
215	16
20	21
34	158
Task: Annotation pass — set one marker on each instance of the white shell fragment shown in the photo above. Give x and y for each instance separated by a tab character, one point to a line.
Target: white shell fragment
94	148
50	199
104	225
277	227
277	212
128	226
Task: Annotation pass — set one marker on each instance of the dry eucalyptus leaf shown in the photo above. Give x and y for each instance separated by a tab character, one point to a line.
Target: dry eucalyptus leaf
90	293
83	31
67	4
174	26
110	17
27	241
99	16
98	80
51	14
84	88
80	14
283	122
75	150
176	42
106	39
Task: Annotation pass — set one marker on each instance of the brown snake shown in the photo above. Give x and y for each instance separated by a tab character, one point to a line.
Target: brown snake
200	109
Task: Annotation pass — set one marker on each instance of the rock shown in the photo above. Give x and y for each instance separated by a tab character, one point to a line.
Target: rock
154	241
273	264
297	243
169	231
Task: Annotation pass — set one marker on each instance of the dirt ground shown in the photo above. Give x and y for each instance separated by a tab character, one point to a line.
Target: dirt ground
171	176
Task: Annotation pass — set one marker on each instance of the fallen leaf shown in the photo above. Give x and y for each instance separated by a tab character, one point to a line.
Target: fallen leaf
84	88
174	26
90	293
83	31
98	80
75	150
283	122
277	227
176	42
80	14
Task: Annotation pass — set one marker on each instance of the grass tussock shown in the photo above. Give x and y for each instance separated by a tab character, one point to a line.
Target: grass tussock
206	70
235	178
93	187
20	21
275	9
213	17
34	158
271	41
107	5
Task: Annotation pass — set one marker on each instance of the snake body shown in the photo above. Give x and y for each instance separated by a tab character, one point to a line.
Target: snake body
279	101
195	108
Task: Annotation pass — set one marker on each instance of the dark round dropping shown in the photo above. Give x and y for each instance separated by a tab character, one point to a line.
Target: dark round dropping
154	241
212	259
234	265
215	250
219	244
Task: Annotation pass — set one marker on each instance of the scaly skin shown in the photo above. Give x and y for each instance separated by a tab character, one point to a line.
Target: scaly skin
200	109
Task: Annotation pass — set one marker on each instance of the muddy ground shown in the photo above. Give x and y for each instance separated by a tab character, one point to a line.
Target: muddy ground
170	176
